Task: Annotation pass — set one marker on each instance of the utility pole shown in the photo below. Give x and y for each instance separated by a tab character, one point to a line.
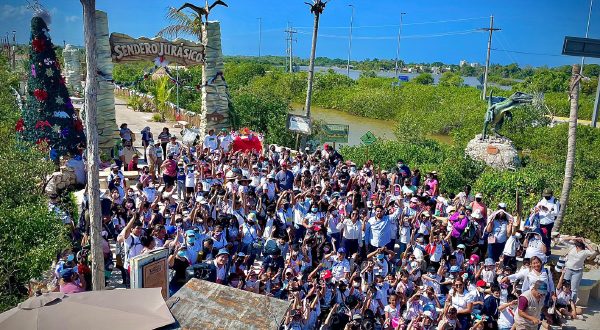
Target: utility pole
91	131
290	49
350	40
597	100
398	44
259	34
316	8
14	50
491	30
587	32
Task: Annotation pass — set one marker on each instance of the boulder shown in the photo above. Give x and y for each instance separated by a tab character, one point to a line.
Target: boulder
497	152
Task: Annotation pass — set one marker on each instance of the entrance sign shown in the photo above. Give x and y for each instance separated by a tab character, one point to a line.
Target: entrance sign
335	133
299	124
368	139
151	271
184	52
403	78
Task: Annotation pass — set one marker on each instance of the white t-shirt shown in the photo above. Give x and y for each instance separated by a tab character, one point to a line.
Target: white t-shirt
190	179
339	268
575	260
511	247
211	142
133	247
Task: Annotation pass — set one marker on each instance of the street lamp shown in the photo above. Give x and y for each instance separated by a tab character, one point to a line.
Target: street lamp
350	41
398	46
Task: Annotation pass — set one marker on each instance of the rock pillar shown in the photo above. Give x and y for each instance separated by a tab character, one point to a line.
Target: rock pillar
107	125
215	99
72	70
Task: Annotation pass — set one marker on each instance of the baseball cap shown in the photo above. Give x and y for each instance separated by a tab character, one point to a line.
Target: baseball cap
541	287
223	251
327	275
461	246
428	314
478	195
481	284
474	259
341	250
454	269
502	205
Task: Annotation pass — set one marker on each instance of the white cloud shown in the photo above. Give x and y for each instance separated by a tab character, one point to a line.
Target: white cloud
70	19
10	11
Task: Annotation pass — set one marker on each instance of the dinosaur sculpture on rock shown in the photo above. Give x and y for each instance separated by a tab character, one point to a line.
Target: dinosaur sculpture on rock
499	110
203	11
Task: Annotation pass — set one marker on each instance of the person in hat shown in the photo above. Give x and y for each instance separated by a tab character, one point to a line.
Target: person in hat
220	263
340	266
499	228
147	139
154	155
547	210
575	259
71	282
479	205
225	140
530	307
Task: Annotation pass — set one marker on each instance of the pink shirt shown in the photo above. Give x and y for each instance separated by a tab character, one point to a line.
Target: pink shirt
70	287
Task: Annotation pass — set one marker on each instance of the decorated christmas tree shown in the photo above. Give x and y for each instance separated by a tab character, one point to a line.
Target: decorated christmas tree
49	119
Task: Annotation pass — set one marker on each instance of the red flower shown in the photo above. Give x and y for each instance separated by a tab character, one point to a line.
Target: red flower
20	125
41	124
78	125
40	94
38	45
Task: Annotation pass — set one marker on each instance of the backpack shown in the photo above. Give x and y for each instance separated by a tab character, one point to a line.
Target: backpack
469	234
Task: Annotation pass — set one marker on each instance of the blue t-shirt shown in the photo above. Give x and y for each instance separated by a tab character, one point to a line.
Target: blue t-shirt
180	173
284	180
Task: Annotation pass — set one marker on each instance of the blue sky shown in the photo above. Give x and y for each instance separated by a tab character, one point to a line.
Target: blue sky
433	30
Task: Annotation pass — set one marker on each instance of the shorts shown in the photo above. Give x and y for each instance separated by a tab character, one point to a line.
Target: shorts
189	190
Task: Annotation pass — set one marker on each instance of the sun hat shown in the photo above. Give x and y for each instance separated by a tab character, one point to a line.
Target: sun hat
461	246
547	192
502	205
223	251
489	262
478	195
474	259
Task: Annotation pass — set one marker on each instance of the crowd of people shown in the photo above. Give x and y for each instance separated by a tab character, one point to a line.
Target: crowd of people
350	247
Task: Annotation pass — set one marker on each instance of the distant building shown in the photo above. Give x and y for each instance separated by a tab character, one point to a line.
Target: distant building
463	63
474	65
436	70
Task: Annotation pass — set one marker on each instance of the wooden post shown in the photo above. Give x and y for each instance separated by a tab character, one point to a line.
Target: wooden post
93	158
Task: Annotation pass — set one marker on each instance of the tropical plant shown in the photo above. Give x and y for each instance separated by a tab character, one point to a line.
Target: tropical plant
161	91
423	79
182	24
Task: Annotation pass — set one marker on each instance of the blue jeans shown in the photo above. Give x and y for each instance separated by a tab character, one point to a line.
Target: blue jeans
575	277
494	250
351	246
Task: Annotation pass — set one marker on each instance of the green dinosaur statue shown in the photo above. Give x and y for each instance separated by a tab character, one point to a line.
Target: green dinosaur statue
499	110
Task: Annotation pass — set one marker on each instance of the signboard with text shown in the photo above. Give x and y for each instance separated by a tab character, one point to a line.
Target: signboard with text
299	124
335	133
184	52
151	271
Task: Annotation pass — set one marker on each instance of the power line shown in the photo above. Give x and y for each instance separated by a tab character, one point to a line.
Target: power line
414	36
525	53
396	25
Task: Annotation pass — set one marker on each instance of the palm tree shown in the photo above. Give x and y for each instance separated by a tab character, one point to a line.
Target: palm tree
182	24
570	162
316	8
161	92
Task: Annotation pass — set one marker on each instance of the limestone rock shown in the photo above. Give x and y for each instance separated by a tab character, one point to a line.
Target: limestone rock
497	152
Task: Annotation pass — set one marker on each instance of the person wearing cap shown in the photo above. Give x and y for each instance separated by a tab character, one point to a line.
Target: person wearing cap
127	153
400	172
534	246
530	307
71	281
479	205
220	263
210	140
147	139
174	147
499	228
340	266
547	210
194	244
378	228
225	140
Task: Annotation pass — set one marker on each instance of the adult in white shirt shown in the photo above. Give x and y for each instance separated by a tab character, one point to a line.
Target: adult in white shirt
130	237
574	265
211	141
462	300
225	140
547	210
351	229
340	266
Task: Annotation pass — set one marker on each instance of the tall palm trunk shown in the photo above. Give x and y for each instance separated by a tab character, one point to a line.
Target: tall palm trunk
93	158
311	65
570	163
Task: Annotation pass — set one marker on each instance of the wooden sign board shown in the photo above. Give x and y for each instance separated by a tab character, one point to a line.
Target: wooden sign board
125	48
151	271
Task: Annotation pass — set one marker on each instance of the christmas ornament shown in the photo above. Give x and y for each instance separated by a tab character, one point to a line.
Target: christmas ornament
56	129
60	114
64	132
20	126
41	124
38	45
59	100
33	73
78	125
40	94
49	72
48	62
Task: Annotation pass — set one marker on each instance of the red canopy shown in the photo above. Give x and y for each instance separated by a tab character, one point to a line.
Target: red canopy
247	142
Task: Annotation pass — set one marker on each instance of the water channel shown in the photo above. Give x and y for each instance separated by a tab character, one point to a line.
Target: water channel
358	126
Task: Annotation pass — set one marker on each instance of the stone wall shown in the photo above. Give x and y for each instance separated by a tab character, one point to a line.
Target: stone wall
72	70
107	125
215	104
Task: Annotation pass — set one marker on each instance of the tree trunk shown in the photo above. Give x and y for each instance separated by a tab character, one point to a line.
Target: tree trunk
570	163
311	65
93	159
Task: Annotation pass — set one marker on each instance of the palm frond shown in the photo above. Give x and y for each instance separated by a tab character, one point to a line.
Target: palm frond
182	23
